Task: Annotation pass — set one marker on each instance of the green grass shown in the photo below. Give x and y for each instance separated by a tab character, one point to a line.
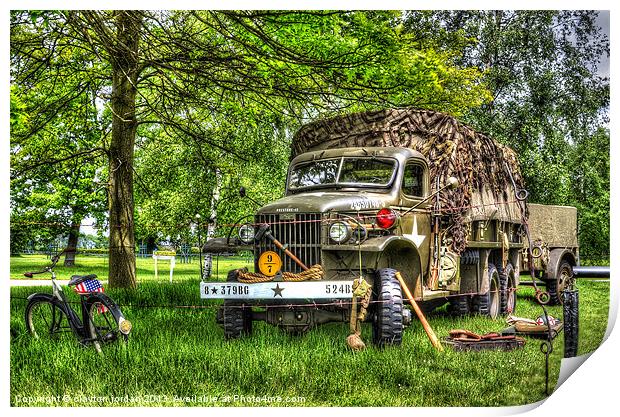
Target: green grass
180	352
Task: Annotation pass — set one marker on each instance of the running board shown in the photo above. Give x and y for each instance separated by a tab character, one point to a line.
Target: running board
428	294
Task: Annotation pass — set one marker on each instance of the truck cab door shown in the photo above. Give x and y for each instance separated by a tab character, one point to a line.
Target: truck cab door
415	225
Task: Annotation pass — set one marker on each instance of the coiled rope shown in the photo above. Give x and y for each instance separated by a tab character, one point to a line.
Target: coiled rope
315	272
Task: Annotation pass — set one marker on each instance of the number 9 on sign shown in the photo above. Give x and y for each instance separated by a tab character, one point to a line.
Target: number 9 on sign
269	263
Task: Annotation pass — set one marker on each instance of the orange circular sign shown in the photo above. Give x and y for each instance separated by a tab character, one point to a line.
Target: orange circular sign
269	263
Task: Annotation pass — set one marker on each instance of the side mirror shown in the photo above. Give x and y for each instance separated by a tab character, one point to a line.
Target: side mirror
452	183
243	194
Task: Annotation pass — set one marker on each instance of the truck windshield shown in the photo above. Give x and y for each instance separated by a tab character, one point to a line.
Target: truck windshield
345	171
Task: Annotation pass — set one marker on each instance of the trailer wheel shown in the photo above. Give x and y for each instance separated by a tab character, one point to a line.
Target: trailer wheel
489	304
236	316
459	306
507	285
564	280
388	319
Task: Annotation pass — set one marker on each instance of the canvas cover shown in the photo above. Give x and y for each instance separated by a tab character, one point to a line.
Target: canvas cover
482	165
554	225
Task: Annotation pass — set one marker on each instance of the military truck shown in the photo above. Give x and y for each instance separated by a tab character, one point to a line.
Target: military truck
371	194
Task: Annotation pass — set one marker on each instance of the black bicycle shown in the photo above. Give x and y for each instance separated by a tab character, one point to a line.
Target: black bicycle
50	315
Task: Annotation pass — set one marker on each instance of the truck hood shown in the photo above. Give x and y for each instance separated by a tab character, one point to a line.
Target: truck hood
321	202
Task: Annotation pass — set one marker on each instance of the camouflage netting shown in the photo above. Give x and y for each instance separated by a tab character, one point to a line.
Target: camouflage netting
452	148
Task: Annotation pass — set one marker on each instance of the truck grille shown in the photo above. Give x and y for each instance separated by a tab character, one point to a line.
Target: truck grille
302	235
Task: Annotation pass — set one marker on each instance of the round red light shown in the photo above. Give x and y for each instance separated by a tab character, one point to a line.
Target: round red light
386	218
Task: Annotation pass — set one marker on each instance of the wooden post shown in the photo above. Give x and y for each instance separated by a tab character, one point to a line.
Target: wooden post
427	327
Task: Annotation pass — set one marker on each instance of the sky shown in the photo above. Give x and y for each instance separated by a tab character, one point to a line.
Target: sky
603	22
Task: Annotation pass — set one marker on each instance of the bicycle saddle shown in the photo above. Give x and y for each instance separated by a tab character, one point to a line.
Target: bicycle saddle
76	279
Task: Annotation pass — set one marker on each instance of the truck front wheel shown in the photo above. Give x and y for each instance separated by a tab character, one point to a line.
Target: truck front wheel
489	304
236	317
388	320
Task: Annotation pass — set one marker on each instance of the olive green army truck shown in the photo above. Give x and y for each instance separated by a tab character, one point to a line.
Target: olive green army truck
372	194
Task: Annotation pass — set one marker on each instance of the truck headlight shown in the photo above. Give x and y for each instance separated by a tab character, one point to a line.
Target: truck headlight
246	233
339	232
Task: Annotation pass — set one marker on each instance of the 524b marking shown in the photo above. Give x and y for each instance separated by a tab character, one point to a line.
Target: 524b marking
337	289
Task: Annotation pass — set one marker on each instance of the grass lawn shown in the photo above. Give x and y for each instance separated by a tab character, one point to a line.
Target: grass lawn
177	356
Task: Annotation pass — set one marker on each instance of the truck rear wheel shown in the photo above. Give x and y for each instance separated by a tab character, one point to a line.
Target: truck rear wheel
470	257
563	281
507	285
388	320
489	304
459	305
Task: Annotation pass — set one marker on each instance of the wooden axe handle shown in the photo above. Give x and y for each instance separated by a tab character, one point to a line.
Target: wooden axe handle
427	327
280	246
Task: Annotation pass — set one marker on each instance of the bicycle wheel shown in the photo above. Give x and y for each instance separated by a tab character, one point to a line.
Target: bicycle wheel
45	319
101	324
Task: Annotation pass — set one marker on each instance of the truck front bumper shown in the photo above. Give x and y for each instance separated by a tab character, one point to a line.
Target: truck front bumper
277	290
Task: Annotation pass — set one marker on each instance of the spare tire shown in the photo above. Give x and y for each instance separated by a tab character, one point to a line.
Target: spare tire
470	257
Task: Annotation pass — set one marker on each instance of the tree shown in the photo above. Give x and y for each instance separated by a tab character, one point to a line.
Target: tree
179	178
53	164
548	100
590	180
185	71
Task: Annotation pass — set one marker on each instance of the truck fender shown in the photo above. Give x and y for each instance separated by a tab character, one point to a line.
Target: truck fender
403	256
555	258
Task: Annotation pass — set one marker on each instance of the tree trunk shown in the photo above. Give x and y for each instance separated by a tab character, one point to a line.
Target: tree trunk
215	199
124	60
72	241
150	244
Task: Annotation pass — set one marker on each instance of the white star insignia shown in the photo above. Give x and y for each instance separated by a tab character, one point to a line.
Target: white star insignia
416	238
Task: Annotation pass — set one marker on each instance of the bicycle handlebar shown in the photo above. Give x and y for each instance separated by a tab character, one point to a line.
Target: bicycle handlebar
30	274
55	259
